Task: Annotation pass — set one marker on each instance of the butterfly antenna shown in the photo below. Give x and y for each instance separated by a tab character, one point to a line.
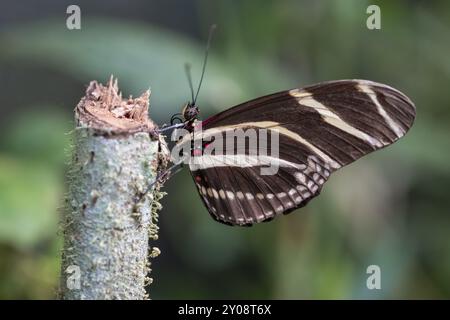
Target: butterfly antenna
187	69
211	31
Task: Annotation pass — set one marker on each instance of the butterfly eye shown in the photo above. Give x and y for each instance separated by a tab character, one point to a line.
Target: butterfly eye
184	111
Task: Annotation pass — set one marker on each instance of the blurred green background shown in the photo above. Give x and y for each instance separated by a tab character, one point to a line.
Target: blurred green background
389	209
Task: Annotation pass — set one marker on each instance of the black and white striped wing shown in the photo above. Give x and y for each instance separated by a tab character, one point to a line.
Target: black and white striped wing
321	129
242	196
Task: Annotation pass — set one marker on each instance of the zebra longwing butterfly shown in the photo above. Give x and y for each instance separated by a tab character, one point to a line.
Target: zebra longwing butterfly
320	129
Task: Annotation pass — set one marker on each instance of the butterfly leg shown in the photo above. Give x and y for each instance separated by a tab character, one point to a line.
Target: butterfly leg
162	177
168	172
174	126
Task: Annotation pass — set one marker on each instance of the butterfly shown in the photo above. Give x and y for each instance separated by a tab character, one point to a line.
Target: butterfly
320	129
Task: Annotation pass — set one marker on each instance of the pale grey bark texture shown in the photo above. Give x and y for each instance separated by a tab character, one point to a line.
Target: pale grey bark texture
108	215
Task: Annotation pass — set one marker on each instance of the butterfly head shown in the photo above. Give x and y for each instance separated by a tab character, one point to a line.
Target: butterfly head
190	112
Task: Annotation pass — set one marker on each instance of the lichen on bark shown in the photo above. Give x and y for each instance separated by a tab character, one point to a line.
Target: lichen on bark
108	216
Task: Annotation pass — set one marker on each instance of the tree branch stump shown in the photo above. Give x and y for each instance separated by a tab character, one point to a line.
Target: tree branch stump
108	215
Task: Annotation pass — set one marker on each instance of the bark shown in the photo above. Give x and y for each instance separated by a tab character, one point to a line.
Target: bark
109	217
